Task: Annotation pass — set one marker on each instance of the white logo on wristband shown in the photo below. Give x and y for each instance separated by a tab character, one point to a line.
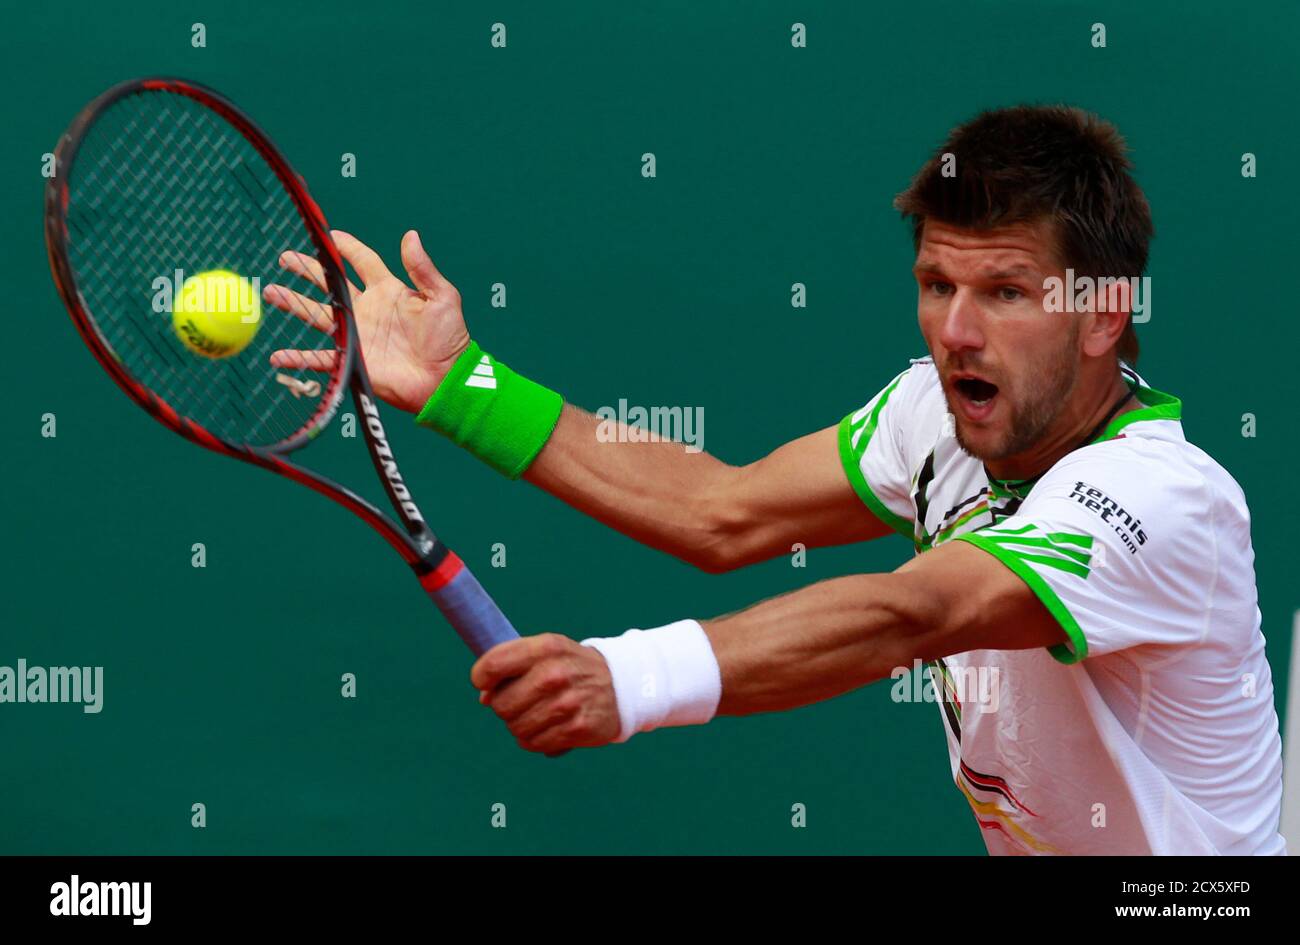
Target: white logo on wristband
483	375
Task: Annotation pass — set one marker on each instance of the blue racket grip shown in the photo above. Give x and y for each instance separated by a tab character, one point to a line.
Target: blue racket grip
474	615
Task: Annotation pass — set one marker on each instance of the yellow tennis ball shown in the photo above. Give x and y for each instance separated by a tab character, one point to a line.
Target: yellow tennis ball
217	313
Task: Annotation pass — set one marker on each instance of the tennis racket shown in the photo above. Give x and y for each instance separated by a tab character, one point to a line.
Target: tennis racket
160	177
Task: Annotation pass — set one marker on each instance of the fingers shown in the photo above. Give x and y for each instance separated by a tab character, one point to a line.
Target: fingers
553	693
309	268
514	659
305	360
556	740
545	714
364	260
369	265
547	682
424	274
314	313
306	266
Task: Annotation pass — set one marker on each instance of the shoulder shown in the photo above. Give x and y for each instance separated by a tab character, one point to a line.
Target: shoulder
912	396
1163	471
1158	499
881	444
913	400
1139	539
921	381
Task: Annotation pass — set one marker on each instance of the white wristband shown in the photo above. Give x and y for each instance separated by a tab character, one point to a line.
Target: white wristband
665	676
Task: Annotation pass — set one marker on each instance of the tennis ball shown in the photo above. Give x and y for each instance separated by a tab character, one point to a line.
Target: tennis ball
217	313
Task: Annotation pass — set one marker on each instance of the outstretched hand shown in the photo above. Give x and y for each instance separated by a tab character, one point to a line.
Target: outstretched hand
410	337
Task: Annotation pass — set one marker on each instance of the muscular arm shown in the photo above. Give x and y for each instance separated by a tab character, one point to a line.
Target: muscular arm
699	509
790	651
840	634
690	505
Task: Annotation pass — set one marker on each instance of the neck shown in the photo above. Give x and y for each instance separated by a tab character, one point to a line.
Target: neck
1070	430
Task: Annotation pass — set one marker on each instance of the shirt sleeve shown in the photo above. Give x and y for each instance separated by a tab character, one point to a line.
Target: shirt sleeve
874	448
1111	541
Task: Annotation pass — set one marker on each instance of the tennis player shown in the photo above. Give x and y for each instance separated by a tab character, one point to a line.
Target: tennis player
1083	590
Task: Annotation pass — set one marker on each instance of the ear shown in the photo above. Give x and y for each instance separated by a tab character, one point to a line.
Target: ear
1112	305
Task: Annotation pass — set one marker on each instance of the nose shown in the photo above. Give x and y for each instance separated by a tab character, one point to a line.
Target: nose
961	328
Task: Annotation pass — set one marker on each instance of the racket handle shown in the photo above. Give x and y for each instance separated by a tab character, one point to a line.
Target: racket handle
474	615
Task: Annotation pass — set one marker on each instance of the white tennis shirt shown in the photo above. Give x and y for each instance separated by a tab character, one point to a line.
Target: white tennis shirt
1152	731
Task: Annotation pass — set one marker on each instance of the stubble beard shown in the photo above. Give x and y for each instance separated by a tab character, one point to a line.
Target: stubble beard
1046	389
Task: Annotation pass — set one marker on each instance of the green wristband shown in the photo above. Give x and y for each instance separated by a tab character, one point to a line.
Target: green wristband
501	417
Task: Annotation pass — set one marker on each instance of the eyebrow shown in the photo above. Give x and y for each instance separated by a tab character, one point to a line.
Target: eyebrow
994	276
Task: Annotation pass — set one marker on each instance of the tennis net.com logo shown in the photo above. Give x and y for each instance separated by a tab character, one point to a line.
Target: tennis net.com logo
100	900
1126	525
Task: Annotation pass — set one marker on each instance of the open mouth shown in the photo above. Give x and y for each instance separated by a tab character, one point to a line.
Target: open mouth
975	390
975	395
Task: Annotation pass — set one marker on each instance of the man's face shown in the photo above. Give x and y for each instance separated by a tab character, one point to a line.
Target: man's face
1007	365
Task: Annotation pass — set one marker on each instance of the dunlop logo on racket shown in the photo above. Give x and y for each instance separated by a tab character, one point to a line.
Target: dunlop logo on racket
387	463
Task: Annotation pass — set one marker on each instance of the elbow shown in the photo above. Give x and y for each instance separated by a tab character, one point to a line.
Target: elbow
713	560
724	534
715	550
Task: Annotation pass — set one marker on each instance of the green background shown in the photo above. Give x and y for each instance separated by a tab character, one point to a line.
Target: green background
522	165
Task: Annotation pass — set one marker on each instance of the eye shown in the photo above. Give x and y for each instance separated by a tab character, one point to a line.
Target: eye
1009	293
939	288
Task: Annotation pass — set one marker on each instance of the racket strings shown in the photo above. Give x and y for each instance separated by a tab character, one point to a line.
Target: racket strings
161	183
118	164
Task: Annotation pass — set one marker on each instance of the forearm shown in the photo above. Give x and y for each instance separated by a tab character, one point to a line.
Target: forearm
657	493
681	501
816	643
786	652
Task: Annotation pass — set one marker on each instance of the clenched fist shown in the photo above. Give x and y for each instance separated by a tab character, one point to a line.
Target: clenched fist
552	693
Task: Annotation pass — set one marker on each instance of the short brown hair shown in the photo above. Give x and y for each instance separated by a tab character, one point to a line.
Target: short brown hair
1031	162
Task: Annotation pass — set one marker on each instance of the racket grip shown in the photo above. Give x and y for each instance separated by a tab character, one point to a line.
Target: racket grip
474	615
